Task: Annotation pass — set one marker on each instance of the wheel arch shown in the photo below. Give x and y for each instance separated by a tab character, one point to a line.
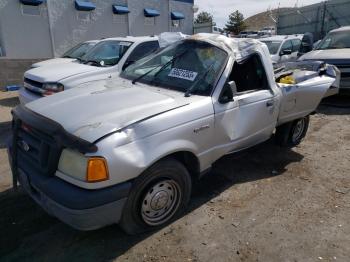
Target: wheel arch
188	159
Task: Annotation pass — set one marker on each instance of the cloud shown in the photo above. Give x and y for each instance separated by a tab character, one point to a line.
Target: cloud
221	9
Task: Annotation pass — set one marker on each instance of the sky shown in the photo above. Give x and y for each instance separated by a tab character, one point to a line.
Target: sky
221	9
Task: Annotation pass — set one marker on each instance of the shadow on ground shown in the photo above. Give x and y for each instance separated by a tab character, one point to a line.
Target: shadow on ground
335	105
9	102
26	230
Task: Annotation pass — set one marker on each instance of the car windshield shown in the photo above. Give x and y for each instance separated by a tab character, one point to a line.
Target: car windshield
106	53
188	66
335	40
273	46
78	51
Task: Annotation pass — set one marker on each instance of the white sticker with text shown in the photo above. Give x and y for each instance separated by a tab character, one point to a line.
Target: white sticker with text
183	74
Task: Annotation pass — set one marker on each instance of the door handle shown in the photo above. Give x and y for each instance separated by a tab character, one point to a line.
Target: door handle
269	103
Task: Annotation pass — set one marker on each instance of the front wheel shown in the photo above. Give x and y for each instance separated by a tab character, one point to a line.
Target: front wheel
158	196
291	134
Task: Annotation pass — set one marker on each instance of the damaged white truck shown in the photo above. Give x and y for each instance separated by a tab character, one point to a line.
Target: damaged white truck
127	150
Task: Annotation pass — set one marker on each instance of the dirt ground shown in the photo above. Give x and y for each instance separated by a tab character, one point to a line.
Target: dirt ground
266	204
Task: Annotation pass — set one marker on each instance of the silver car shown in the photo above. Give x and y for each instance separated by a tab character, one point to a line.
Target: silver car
127	150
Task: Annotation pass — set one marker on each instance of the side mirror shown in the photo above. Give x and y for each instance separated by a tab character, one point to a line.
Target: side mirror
229	90
233	87
286	52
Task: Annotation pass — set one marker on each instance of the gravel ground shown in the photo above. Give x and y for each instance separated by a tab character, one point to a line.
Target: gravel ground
265	204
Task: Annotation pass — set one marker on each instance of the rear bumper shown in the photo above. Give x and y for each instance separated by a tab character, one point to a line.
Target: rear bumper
87	218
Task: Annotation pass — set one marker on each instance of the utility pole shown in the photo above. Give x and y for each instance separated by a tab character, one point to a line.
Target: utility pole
48	4
323	18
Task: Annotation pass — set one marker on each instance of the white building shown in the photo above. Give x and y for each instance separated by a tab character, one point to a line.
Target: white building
34	29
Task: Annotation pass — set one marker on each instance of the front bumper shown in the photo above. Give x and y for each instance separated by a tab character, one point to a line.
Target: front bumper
26	96
34	166
81	209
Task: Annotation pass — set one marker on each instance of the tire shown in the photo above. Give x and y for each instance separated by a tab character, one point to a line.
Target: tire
157	197
291	134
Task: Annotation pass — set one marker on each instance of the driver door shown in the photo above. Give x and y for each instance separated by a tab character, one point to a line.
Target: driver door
251	115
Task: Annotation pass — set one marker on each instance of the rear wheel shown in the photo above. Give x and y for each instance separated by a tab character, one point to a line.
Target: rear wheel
157	197
292	133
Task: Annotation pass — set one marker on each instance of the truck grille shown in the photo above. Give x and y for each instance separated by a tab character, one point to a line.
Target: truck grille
33	83
345	74
33	86
36	151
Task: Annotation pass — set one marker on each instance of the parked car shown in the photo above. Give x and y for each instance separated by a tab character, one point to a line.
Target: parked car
248	34
334	49
283	48
252	34
267	31
71	55
127	150
105	60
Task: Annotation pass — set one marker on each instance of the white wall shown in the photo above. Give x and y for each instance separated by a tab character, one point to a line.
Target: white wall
27	37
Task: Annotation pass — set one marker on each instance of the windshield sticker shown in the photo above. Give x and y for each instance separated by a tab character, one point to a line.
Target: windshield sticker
183	74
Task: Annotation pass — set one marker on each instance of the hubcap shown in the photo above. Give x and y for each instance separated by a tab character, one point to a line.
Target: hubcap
298	130
160	202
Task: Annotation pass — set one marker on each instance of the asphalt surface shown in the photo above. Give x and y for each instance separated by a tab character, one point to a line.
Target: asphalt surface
265	204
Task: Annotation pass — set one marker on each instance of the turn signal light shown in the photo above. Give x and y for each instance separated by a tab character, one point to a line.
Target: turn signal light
96	170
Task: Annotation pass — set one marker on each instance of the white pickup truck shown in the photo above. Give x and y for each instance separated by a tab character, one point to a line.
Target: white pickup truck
127	150
105	60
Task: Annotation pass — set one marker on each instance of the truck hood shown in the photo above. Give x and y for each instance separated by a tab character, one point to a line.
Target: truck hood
328	54
57	72
53	61
95	110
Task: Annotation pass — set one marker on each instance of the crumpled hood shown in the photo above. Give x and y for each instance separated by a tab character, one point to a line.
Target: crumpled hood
57	72
329	54
95	110
53	61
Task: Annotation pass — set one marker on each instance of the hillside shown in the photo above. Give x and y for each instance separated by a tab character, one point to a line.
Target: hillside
258	21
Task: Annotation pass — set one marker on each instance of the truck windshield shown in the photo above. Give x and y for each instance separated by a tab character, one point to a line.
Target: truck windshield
106	53
335	40
273	46
78	51
187	66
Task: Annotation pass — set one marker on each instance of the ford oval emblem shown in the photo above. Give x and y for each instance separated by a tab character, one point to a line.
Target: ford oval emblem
23	144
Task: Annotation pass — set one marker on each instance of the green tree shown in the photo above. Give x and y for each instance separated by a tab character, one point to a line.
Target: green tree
235	23
204	17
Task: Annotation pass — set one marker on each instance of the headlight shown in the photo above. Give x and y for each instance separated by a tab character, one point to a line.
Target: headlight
80	167
52	88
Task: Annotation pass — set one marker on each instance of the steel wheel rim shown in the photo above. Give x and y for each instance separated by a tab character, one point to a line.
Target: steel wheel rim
298	130
160	202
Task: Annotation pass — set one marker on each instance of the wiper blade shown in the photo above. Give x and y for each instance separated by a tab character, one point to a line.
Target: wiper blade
194	85
161	69
67	56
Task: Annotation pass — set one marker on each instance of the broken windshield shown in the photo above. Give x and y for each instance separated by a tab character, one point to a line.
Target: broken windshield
186	65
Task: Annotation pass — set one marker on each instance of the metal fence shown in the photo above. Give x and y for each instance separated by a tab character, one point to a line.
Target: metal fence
318	19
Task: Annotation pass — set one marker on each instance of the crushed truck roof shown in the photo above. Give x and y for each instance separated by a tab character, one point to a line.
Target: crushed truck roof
239	47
